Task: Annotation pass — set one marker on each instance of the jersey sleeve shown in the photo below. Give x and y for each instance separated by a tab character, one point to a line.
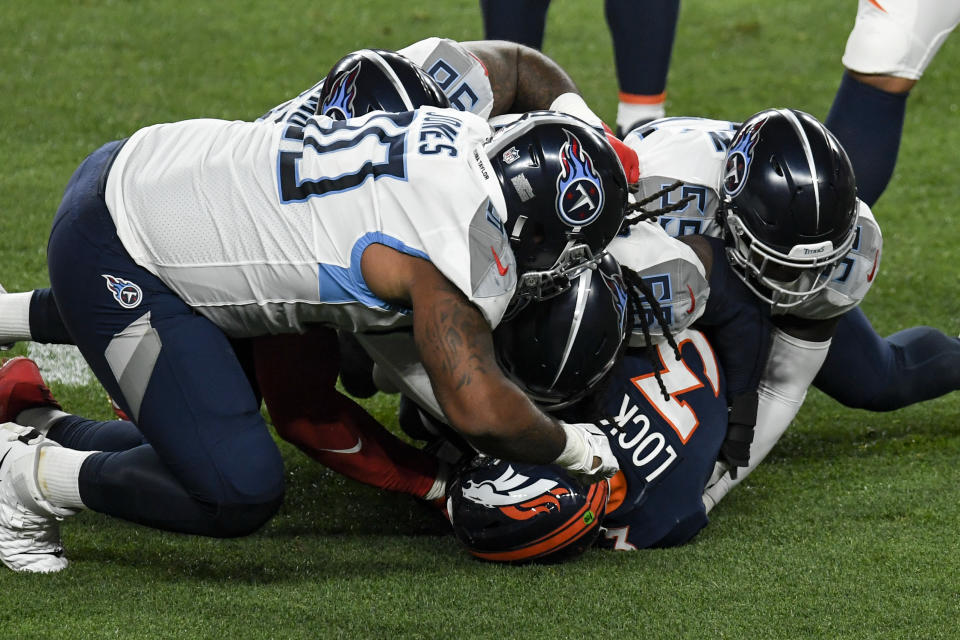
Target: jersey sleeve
853	277
461	76
672	272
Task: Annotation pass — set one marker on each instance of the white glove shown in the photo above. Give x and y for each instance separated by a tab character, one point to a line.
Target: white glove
587	455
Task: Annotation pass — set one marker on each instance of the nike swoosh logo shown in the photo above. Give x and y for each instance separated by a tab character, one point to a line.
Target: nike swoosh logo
877	5
693	300
502	269
355	448
876	261
1	462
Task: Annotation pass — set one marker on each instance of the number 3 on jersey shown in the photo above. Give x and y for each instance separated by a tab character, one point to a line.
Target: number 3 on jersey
374	149
679	379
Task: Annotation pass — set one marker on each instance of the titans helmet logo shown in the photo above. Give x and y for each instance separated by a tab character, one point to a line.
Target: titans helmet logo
579	190
125	292
339	103
619	290
739	158
516	495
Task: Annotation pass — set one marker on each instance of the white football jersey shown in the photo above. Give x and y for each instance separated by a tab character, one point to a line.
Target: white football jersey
671	270
461	76
260	226
693	151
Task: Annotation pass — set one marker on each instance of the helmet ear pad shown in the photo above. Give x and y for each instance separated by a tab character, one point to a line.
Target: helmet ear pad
521	513
377	80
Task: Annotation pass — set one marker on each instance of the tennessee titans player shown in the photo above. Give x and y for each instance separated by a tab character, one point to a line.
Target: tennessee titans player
415	185
749	184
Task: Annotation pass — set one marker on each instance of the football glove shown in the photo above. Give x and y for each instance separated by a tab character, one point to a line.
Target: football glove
587	454
735	448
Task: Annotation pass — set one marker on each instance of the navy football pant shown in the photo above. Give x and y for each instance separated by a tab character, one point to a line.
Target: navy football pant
865	371
642	31
211	467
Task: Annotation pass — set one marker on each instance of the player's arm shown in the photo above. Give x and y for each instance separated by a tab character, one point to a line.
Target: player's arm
522	78
456	347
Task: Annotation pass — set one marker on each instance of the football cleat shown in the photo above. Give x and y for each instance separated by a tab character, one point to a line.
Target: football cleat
22	387
29	525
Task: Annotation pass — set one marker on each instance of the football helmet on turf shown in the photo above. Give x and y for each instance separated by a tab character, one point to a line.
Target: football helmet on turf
565	193
517	513
789	205
559	350
376	80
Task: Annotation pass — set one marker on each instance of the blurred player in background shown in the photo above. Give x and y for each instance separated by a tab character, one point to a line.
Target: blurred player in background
642	33
890	46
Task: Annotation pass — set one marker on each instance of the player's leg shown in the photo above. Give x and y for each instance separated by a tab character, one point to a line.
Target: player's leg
520	21
866	371
297	376
890	46
26	400
642	32
212	467
31	316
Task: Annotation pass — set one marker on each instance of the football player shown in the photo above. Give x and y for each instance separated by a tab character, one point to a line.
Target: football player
641	31
666	446
151	301
779	190
890	46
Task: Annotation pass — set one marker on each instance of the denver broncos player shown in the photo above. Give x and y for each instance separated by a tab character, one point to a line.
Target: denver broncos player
666	446
262	244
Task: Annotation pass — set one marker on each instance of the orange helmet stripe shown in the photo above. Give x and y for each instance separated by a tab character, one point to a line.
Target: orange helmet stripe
570	532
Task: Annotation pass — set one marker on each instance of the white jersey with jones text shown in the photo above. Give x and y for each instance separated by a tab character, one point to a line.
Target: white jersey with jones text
260	226
693	151
460	75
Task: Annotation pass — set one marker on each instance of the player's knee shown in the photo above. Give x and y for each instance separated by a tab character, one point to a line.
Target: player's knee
890	84
240	518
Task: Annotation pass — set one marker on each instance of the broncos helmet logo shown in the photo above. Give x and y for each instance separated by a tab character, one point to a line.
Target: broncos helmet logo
579	190
339	104
739	158
515	495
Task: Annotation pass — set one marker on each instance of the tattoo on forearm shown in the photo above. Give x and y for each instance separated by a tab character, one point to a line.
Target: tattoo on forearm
458	338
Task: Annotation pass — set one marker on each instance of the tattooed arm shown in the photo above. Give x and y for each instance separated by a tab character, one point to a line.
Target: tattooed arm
523	79
456	348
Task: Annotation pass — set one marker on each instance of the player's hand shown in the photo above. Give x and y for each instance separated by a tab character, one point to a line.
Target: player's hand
628	157
587	454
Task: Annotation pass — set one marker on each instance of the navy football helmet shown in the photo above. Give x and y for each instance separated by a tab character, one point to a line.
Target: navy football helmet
565	193
376	80
789	207
519	513
558	350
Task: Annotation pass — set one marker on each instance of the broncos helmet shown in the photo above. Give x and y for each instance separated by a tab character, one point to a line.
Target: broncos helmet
558	350
376	80
519	513
788	205
565	193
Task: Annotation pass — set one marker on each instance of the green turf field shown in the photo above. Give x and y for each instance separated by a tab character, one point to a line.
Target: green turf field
848	531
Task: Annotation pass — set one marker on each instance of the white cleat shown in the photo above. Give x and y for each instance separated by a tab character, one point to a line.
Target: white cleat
29	525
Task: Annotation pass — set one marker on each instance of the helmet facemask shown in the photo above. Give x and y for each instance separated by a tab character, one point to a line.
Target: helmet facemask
782	280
